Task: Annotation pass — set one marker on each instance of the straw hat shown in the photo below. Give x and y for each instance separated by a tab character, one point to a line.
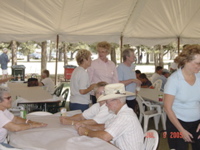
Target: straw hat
113	91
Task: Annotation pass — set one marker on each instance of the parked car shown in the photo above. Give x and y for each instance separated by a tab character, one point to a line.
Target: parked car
20	56
35	56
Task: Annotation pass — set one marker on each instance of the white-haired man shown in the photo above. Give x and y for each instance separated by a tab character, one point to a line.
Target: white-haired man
124	129
4	63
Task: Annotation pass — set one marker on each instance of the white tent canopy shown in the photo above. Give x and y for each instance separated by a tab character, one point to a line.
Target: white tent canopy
147	22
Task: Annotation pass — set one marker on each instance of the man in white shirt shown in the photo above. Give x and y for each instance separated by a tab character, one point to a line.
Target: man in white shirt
47	82
157	74
124	129
96	114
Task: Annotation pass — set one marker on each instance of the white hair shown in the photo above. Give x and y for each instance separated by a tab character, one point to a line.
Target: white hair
2	91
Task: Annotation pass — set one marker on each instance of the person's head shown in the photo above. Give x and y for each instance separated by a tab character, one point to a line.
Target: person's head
5	50
166	73
189	57
84	57
128	55
99	89
159	70
103	49
115	96
45	73
138	73
143	77
5	99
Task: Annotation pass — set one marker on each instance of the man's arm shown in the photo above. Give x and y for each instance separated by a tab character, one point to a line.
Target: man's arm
99	134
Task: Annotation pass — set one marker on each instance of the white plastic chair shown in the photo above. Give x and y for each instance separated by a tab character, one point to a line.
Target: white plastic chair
15	111
151	140
157	84
154	111
39	113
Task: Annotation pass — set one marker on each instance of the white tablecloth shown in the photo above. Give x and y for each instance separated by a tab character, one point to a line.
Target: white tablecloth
55	137
22	94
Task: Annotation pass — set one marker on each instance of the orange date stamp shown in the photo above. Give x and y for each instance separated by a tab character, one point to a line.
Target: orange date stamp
173	135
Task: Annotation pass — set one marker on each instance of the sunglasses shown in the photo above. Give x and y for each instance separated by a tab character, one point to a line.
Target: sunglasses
8	98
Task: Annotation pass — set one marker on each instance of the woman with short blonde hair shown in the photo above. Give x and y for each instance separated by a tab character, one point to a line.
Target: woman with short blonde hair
80	84
102	69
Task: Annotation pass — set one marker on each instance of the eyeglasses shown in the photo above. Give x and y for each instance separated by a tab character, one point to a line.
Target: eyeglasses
8	98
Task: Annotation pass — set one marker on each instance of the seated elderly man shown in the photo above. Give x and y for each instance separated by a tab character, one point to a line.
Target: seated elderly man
9	122
97	113
124	129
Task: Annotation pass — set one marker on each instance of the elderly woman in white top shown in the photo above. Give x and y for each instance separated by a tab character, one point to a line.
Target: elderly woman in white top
9	122
80	85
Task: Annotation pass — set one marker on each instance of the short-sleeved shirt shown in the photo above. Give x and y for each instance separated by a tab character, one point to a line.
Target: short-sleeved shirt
79	80
155	77
4	61
126	130
125	73
49	85
5	117
186	105
99	114
102	71
147	83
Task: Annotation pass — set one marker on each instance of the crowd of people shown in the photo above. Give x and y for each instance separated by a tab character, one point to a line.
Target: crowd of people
112	91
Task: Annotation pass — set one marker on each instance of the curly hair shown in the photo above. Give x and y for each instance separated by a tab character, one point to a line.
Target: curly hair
104	45
81	55
187	55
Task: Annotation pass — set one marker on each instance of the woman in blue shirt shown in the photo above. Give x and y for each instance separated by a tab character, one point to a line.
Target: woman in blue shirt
182	101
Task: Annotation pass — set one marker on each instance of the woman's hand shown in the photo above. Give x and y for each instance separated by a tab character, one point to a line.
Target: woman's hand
187	136
198	130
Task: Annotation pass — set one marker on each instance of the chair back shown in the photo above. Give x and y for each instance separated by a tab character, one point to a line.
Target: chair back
58	90
151	140
157	84
140	103
65	94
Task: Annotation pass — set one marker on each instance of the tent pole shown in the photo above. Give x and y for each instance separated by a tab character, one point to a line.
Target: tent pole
178	45
56	67
121	46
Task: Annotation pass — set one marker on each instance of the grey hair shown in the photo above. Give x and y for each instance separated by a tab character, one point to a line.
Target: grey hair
122	100
2	91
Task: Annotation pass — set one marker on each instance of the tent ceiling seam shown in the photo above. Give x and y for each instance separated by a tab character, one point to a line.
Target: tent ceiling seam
189	21
133	12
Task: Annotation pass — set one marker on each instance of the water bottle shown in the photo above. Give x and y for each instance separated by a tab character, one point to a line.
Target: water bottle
22	112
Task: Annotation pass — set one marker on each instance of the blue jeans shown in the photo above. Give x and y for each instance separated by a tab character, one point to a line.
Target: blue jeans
76	106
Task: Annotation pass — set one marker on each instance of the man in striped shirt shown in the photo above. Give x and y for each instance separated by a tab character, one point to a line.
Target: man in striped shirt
124	129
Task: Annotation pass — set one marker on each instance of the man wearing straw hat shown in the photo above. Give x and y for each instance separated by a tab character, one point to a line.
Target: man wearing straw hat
124	129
